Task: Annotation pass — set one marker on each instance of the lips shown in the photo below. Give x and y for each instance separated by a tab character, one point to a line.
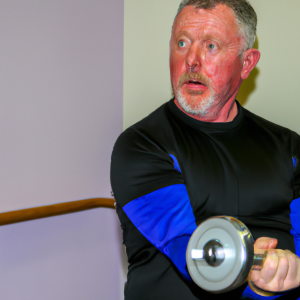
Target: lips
194	81
194	84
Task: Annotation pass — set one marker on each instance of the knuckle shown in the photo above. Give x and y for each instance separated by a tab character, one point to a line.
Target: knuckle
284	260
272	265
292	258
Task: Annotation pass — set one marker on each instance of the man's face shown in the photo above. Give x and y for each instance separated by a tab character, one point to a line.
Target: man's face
205	62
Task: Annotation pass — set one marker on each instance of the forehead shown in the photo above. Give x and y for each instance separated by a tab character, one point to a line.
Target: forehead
221	20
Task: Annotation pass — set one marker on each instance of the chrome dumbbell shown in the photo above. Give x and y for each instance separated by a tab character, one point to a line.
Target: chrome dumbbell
220	254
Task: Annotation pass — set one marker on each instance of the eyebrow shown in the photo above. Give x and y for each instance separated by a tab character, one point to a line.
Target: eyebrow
207	36
212	37
186	33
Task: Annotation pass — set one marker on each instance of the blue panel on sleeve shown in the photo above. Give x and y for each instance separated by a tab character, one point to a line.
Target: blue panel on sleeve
295	220
176	164
294	161
250	294
165	217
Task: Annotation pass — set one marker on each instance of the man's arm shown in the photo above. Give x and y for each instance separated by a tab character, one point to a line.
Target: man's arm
149	187
281	270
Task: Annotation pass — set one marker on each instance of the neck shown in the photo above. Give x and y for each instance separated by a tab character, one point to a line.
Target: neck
227	113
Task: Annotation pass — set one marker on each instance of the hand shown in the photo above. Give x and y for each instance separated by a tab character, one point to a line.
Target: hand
280	271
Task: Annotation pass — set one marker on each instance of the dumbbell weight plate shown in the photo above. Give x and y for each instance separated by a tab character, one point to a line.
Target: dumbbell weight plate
237	242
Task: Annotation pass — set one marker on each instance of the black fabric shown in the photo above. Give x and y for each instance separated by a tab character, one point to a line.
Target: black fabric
243	168
295	149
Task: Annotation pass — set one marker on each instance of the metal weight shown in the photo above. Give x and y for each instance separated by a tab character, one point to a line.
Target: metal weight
220	254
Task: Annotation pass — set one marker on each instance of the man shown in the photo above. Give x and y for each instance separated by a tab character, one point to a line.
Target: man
202	155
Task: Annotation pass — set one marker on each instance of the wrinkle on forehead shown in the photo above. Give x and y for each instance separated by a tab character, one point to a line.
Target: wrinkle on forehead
221	13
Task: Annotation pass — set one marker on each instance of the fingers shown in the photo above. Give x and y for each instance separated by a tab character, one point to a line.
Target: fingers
270	266
264	279
294	272
265	243
277	284
280	271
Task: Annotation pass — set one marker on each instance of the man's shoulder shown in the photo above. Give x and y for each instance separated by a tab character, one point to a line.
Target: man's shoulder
153	125
154	120
267	125
145	131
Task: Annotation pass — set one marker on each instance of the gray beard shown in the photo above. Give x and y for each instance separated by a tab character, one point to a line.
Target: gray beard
201	109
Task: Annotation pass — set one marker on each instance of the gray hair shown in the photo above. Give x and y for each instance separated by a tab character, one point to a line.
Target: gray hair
243	11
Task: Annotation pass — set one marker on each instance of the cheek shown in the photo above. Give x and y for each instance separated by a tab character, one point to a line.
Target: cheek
217	73
221	71
177	65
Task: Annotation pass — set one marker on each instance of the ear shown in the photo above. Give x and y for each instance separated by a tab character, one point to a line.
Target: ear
249	60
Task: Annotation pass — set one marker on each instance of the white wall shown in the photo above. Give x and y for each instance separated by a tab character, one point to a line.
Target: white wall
61	69
275	81
147	31
272	89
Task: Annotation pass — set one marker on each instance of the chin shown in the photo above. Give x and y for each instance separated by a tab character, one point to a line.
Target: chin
198	105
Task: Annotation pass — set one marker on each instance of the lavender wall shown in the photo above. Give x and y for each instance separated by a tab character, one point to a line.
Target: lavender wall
61	69
70	257
61	77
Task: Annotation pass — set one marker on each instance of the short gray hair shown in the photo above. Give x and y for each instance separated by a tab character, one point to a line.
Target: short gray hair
243	11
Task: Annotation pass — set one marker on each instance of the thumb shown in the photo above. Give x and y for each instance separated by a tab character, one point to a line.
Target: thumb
265	243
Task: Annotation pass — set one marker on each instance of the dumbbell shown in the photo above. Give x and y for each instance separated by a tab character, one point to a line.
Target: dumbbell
220	254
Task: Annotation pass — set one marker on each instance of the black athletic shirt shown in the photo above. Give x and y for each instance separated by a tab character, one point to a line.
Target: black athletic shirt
170	172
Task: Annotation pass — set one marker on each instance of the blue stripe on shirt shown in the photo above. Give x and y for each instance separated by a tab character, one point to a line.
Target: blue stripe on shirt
165	217
176	164
294	161
295	220
250	294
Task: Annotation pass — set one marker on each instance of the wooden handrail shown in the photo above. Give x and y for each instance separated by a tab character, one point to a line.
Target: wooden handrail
54	210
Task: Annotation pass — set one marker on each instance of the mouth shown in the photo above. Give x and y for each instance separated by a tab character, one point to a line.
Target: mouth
194	84
194	81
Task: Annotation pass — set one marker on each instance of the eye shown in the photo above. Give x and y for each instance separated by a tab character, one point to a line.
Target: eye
181	44
211	46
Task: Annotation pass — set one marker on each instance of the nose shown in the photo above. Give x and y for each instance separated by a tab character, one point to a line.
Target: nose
193	59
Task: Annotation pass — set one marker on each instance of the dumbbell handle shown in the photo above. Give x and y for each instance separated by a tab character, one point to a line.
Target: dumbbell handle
259	258
214	255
